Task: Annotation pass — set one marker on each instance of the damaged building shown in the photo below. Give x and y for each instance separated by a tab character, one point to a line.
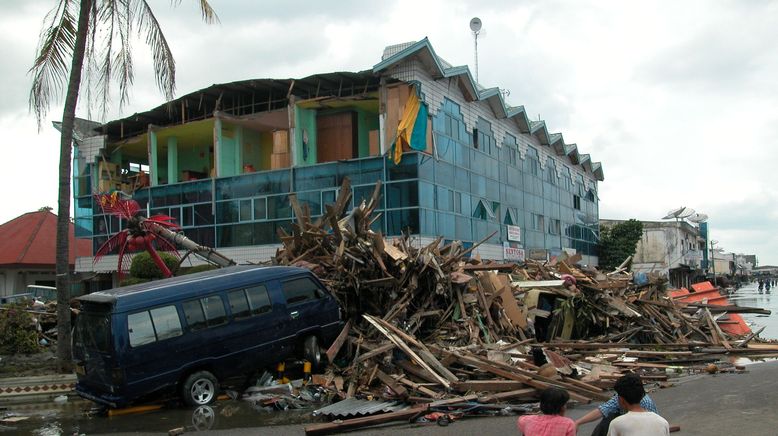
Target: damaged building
454	159
674	249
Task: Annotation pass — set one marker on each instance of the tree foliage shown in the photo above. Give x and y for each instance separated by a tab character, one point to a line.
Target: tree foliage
143	266
618	242
16	333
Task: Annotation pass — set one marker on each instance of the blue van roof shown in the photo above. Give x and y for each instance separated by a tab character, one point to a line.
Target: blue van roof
175	288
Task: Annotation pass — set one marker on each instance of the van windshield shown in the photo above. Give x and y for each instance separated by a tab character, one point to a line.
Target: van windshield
93	331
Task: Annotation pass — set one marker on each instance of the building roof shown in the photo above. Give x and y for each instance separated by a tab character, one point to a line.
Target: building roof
31	239
438	69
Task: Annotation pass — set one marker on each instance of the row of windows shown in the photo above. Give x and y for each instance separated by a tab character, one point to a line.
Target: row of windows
450	127
164	322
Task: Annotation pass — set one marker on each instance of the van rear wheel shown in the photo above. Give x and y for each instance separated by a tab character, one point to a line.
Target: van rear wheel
199	389
312	352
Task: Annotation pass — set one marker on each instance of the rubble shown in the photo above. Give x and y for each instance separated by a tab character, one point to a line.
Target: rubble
442	331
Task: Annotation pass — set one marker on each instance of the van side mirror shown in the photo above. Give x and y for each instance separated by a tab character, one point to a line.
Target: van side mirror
320	293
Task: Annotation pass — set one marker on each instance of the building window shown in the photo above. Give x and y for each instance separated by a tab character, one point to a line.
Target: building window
554	226
538	222
576	202
511	216
484	210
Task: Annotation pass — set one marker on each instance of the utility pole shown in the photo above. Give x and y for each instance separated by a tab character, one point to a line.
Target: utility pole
713	262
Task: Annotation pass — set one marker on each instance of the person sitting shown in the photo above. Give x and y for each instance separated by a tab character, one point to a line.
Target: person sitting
611	409
637	421
553	421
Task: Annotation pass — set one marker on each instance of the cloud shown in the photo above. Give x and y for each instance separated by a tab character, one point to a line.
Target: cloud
676	99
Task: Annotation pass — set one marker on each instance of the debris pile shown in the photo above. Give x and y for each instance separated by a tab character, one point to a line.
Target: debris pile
438	330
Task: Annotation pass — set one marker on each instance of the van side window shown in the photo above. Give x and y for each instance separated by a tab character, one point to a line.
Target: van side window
215	314
195	318
299	290
140	328
259	300
166	322
239	305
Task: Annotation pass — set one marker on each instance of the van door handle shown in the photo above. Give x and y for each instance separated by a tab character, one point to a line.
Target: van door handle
294	314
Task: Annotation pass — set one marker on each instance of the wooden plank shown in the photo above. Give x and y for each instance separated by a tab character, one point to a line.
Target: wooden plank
407	350
350	424
338	343
518	393
375	352
487	385
392	383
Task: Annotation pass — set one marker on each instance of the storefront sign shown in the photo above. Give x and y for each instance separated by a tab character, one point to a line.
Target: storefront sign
538	254
513	254
514	233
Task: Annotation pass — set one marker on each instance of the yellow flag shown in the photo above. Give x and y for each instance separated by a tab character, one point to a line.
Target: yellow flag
405	129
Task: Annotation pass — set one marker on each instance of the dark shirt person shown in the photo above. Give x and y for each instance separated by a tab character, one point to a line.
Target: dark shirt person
612	409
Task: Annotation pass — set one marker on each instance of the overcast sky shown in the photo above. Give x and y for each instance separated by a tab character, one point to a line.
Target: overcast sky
678	100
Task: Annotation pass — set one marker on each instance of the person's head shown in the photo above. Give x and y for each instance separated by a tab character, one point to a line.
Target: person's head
630	389
553	400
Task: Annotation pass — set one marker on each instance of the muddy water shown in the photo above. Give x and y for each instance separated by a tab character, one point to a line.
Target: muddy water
75	418
750	296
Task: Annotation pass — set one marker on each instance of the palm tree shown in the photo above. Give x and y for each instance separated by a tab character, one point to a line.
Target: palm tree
139	234
150	234
93	37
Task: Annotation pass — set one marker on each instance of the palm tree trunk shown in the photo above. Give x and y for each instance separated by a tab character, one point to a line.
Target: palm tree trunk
64	354
178	239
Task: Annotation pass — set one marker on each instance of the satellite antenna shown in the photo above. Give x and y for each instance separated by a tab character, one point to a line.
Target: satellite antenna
685	213
674	213
475	27
698	218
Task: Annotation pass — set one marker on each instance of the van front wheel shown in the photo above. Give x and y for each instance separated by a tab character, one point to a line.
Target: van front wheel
199	389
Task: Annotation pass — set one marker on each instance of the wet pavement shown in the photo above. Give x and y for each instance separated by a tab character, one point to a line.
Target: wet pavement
76	417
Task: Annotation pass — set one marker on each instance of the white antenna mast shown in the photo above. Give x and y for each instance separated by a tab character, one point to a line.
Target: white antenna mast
475	26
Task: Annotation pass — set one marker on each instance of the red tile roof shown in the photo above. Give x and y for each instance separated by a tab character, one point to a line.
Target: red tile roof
30	240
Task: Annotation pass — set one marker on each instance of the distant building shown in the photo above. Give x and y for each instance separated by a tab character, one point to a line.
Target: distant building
672	248
28	251
766	270
223	161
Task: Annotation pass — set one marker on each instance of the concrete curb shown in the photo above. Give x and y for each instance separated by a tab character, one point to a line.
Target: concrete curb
22	388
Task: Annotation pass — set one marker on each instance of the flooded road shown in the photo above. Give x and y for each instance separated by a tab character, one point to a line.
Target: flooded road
750	296
75	417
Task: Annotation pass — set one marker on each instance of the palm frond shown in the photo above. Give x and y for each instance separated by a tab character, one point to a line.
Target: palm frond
52	60
209	15
107	15
165	221
165	245
123	65
117	240
164	64
112	204
125	261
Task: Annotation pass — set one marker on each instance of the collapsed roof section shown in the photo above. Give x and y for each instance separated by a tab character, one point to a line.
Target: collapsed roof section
244	97
440	69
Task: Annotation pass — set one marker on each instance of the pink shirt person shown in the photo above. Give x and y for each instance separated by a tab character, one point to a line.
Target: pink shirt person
546	425
553	421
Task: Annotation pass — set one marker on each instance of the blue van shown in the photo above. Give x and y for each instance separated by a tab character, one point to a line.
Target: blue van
188	334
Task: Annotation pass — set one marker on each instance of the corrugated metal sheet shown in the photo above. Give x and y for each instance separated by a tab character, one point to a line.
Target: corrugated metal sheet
357	407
